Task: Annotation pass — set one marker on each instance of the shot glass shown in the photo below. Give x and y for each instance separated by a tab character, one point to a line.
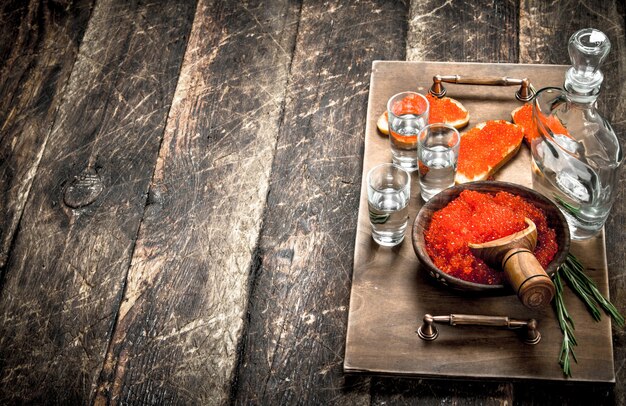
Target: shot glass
408	114
388	192
437	152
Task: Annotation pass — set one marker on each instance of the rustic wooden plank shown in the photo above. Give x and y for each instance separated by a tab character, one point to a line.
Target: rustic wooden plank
463	31
66	272
188	285
12	15
439	392
293	349
545	28
38	46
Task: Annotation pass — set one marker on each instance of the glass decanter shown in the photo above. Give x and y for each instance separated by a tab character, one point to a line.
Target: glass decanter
577	157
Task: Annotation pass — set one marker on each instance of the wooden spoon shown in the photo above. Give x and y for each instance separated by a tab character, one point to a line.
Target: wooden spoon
514	254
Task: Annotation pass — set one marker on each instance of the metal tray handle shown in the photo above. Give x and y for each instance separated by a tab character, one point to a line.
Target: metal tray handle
524	94
428	331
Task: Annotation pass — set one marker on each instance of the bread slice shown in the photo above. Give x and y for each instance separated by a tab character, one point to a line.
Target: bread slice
445	110
383	123
486	148
523	116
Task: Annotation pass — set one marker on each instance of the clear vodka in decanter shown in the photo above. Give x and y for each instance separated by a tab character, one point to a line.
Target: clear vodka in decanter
577	158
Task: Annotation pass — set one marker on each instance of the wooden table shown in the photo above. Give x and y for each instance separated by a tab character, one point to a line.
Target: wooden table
179	185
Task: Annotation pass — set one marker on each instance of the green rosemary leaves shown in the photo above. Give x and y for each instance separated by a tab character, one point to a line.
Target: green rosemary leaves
572	271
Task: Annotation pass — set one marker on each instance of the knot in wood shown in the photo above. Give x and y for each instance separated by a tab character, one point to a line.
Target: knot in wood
84	189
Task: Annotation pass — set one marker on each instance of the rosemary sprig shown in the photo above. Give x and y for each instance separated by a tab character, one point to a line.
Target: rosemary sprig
584	287
376	218
567	326
587	290
572	209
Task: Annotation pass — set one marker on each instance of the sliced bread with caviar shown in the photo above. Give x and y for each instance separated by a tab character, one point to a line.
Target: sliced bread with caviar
486	148
442	110
448	111
523	116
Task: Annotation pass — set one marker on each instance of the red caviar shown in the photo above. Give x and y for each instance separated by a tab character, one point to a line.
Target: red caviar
524	117
443	110
411	104
554	124
480	217
482	149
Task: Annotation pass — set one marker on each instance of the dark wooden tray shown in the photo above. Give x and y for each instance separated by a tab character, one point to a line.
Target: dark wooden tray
391	293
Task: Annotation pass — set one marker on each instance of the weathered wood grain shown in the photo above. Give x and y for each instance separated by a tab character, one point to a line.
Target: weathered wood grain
12	15
99	143
66	272
463	31
295	338
440	392
545	28
188	285
38	46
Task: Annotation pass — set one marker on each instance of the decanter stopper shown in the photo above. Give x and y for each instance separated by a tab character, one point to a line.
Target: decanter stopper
587	50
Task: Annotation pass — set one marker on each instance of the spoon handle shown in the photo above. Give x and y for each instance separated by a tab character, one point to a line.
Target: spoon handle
527	278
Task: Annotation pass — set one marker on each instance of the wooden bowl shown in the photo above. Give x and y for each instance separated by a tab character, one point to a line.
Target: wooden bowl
555	218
